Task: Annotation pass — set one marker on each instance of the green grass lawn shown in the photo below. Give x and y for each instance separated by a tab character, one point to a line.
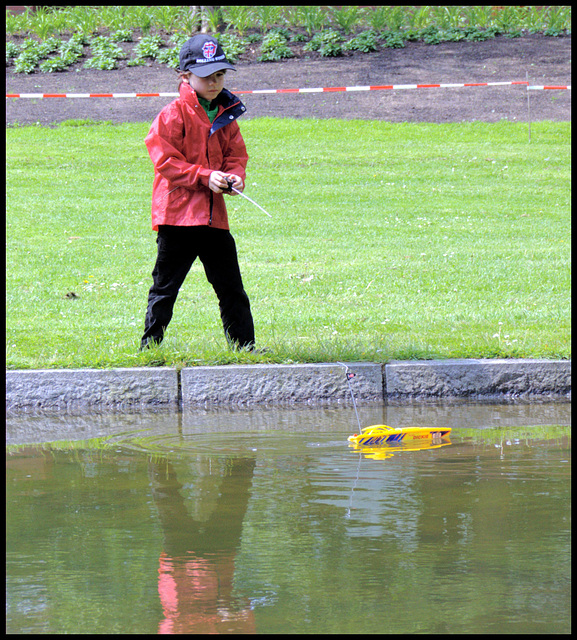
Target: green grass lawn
388	241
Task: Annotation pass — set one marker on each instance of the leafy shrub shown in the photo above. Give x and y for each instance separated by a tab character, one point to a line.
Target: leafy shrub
327	43
57	63
274	47
71	50
105	47
454	34
105	54
31	52
232	45
148	47
101	62
479	35
431	35
12	50
26	61
365	42
179	38
394	40
169	57
122	35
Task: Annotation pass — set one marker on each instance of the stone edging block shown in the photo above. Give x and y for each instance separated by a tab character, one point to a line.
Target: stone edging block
477	378
279	384
97	389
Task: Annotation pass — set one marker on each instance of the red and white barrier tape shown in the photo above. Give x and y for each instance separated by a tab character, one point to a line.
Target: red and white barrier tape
277	91
545	87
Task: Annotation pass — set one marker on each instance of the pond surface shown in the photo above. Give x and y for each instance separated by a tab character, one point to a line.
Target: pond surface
268	521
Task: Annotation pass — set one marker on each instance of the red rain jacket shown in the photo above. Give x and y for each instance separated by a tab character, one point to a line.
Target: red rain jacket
185	149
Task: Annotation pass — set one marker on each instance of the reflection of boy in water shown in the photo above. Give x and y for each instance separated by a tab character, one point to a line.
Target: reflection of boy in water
196	571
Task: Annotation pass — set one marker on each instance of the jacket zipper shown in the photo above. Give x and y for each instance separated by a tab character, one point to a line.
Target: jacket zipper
210	133
209	189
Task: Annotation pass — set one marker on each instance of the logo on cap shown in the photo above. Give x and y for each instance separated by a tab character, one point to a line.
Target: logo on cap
208	50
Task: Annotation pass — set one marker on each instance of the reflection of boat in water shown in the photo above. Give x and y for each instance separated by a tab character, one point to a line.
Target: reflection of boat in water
382	434
381	452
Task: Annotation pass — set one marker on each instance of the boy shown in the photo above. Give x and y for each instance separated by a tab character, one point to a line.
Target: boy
198	152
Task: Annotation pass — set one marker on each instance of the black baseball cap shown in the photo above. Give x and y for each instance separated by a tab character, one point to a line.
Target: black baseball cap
203	55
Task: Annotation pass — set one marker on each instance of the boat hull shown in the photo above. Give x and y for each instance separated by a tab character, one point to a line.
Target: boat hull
382	434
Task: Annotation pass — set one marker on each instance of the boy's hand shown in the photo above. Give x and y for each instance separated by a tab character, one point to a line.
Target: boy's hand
219	182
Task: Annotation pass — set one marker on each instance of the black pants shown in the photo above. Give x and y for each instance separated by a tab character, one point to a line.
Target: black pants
178	248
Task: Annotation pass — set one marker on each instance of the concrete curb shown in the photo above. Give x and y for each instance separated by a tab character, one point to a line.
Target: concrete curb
477	378
76	390
144	388
280	384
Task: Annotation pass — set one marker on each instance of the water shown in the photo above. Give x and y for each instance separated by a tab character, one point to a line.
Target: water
268	521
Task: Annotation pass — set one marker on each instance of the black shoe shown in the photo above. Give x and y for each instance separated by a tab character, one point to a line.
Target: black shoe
258	350
149	342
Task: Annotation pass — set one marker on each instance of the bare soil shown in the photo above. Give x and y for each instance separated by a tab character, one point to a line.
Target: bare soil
546	60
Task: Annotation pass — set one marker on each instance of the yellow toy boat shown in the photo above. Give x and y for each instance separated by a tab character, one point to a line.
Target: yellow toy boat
382	434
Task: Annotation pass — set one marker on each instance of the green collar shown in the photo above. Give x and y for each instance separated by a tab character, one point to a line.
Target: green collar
206	105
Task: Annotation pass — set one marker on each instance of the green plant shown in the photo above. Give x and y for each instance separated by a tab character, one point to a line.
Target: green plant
238	17
148	47
83	19
58	63
418	17
454	34
478	16
558	19
232	45
71	50
189	19
49	46
213	18
299	37
327	43
178	38
115	18
105	44
145	19
167	16
267	15
381	16
505	18
122	35
274	47
42	23
169	57
12	50
15	23
346	18
431	35
478	35
105	54
31	52
447	16
394	40
312	18
26	61
364	42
